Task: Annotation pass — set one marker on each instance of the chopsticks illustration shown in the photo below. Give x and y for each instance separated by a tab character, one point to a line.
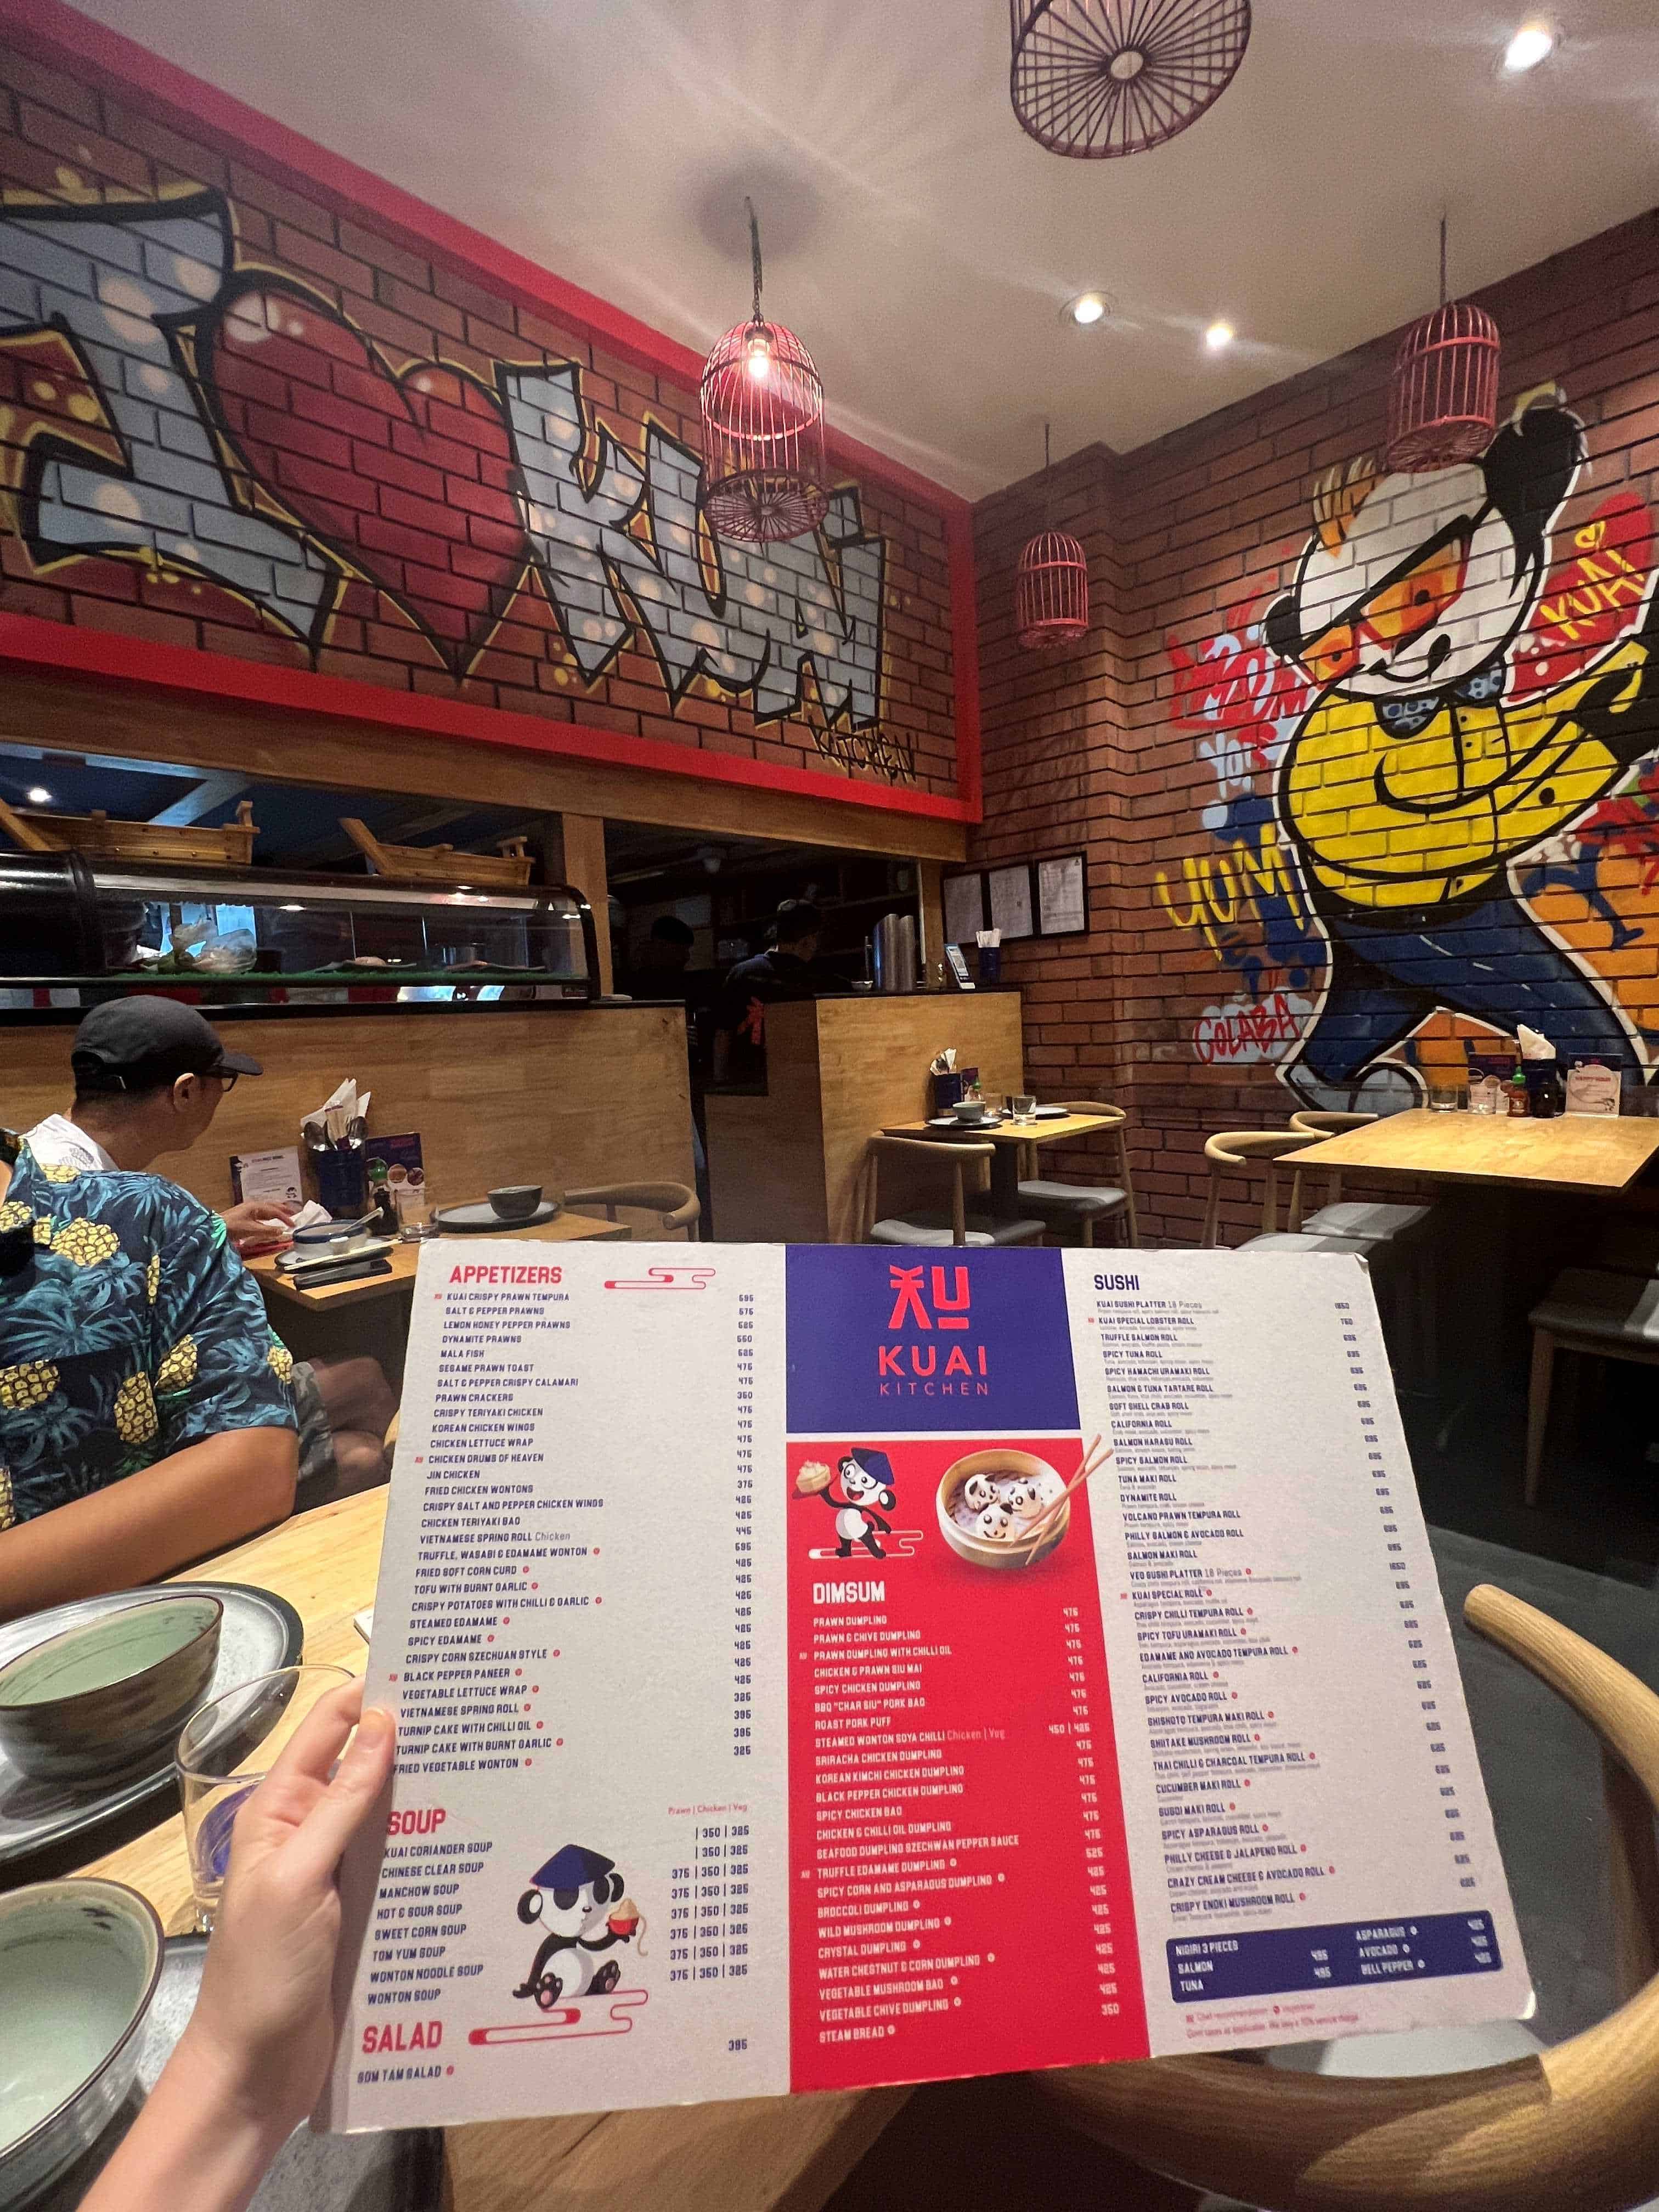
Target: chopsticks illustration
1092	1461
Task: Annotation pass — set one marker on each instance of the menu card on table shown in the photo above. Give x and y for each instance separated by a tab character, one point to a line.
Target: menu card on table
748	1741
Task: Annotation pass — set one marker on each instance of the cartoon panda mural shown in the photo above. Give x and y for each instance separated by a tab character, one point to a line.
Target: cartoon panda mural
1411	784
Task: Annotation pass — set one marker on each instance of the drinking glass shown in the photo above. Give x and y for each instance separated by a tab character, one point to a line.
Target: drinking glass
1445	1097
1024	1109
413	1199
228	1747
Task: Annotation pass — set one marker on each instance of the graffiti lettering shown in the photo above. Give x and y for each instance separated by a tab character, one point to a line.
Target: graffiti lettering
1220	892
1240	1033
172	408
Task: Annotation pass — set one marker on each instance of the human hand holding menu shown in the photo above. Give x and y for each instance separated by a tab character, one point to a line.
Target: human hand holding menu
769	1718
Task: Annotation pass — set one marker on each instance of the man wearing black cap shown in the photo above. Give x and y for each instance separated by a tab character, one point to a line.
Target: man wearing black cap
149	1076
789	970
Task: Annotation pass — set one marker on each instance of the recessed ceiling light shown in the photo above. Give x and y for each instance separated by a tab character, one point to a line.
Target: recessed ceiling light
1532	44
38	795
1219	336
1087	307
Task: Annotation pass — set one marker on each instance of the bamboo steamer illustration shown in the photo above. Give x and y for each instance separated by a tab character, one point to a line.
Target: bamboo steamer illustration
995	1476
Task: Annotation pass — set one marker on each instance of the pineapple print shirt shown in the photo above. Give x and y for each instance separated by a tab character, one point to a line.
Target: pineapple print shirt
131	1330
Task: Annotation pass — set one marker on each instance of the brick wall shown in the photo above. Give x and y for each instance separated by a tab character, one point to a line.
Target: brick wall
1238	863
240	417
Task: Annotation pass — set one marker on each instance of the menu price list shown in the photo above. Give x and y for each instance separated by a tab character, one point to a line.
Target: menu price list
709	1906
1249	1577
952	1794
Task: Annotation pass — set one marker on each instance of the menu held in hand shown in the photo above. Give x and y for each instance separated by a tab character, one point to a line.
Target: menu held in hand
773	1715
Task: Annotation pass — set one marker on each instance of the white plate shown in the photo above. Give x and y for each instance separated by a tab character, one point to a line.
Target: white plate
260	1632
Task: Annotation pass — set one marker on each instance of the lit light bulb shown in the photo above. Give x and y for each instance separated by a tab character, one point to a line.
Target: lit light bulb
760	357
1088	307
1219	336
38	795
1532	44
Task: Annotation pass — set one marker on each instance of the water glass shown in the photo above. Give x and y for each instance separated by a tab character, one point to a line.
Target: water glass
228	1747
413	1201
1445	1097
1022	1108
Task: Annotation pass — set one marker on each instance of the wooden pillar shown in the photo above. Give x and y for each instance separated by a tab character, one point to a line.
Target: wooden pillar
584	869
928	874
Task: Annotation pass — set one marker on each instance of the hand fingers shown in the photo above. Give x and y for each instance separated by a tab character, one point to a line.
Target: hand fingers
315	1847
310	1753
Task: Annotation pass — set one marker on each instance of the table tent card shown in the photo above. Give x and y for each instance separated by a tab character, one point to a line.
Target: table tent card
741	1751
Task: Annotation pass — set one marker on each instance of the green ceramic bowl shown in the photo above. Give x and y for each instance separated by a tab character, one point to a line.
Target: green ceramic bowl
79	1963
98	1699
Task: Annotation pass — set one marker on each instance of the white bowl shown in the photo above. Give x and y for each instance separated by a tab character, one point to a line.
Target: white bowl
975	1549
79	1963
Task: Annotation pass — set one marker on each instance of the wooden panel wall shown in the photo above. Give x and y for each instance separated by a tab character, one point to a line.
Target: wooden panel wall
561	1096
786	1168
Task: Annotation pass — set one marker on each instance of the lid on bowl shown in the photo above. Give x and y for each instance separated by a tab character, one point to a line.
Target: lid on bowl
113	1647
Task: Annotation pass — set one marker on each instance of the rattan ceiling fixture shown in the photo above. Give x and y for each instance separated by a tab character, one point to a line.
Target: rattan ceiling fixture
1443	396
1051	585
764	475
1098	78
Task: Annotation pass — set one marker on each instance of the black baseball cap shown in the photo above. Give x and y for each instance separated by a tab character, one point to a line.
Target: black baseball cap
147	1044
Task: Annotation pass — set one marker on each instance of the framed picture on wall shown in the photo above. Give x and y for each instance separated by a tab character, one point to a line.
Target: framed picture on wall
1062	891
964	908
1010	892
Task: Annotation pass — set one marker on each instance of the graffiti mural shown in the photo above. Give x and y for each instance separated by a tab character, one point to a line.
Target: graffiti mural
163	402
1432	792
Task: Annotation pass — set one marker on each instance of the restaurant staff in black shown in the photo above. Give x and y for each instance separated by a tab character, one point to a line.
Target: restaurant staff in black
789	970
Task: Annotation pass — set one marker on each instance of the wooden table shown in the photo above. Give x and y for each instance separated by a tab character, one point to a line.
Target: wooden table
760	2154
404	1259
1575	1152
1011	1138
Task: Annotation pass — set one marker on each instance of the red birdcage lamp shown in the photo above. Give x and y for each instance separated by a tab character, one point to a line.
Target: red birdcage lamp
1443	397
1051	587
764	474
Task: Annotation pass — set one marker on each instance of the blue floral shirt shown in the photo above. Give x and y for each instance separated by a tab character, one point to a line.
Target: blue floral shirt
129	1331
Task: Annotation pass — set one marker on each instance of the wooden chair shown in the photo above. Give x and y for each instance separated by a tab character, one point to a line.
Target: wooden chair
932	1227
1376	1222
1575	2129
1234	1151
1592	1311
1064	1206
676	1207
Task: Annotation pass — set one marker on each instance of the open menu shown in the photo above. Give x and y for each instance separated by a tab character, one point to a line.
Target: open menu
777	1712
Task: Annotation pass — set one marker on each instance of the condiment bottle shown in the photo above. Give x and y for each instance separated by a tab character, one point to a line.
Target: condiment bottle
1519	1103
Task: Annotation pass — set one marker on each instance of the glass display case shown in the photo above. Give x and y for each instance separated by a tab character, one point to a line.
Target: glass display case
76	928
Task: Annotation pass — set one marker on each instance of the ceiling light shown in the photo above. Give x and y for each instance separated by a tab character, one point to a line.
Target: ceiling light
1219	336
38	795
1087	307
1532	44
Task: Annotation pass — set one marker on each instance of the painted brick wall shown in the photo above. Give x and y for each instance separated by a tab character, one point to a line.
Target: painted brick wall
1223	973
240	417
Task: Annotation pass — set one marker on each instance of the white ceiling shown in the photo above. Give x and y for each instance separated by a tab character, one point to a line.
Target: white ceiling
920	243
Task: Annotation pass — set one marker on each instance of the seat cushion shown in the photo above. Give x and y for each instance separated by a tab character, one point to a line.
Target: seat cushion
934	1229
1290	1240
1075	1199
1607	1309
1376	1224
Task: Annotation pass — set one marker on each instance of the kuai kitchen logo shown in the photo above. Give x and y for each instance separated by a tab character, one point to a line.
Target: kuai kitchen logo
926	1300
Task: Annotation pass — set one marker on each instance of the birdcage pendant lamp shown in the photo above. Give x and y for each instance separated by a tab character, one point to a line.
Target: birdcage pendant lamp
1051	587
1443	396
764	473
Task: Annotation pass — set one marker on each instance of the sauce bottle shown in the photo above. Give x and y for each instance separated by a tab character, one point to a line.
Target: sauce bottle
1519	1103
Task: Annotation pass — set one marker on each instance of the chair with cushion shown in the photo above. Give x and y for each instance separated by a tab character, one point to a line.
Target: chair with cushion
1076	1207
1376	1222
1590	1311
675	1206
928	1227
1235	1152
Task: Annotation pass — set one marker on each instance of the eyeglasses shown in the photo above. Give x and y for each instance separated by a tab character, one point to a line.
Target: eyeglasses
228	1078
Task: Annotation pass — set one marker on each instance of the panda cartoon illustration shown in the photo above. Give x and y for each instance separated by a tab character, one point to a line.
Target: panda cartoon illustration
995	1524
1420	774
573	1898
980	1491
861	1494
